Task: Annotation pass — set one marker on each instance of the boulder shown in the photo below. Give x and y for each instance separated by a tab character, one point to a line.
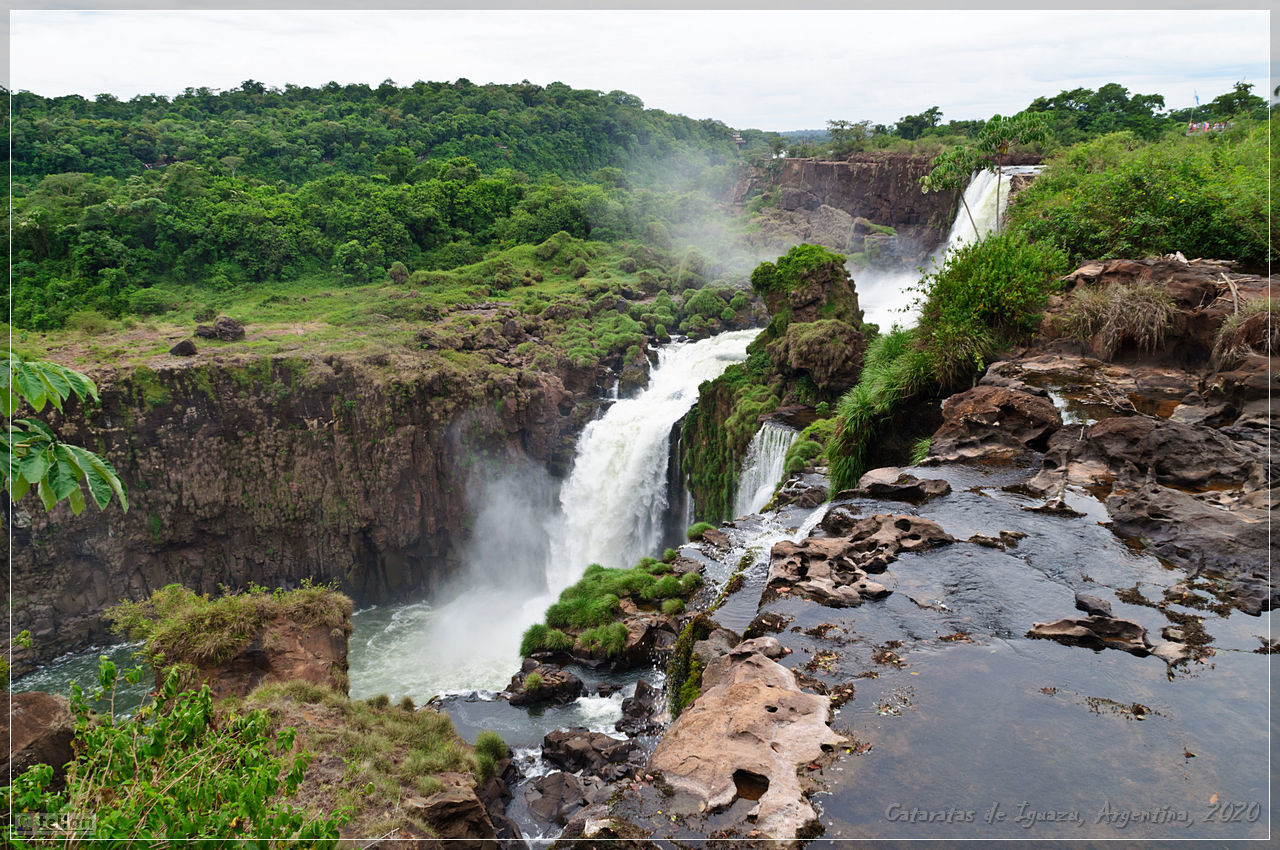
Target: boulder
831	227
745	737
1092	605
38	728
828	351
186	348
639	711
283	651
833	571
993	422
890	482
556	796
559	687
224	328
457	813
1096	632
592	753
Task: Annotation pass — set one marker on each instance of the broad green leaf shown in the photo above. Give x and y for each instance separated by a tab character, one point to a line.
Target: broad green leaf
76	499
30	387
19	487
99	472
8	402
37	426
46	495
55	377
35	465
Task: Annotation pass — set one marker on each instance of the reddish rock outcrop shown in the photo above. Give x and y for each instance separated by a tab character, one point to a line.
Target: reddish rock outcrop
746	736
37	728
997	423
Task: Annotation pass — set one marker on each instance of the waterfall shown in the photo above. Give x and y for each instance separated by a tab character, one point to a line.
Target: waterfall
614	503
980	196
762	467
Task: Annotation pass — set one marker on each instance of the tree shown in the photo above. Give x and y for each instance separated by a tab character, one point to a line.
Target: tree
952	170
915	126
1000	134
32	454
1236	101
953	167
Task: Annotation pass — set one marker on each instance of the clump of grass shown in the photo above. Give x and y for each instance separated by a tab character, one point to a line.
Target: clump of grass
895	370
375	756
541	638
533	683
180	626
698	529
1106	318
610	639
920	450
489	750
673	607
1254	329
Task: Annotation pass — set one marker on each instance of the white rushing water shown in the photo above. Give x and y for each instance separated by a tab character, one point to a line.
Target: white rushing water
527	545
885	296
615	499
762	467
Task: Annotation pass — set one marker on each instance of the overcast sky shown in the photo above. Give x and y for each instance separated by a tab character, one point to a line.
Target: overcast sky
772	70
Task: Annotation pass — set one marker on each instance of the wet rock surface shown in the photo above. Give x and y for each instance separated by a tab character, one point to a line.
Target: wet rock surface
1095	632
744	738
997	423
892	483
554	686
590	753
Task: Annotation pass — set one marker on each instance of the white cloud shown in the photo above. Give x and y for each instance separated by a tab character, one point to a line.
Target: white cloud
768	69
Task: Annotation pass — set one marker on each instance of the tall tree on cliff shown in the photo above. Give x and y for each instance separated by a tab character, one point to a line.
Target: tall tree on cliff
953	167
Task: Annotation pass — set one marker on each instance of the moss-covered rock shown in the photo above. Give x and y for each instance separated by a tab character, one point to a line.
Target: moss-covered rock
829	351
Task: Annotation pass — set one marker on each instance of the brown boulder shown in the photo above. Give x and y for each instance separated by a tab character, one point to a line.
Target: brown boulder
39	731
186	348
592	753
224	328
558	687
890	482
993	422
1096	632
283	651
745	737
828	351
457	814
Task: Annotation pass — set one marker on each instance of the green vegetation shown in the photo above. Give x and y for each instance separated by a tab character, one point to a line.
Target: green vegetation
1120	196
177	769
684	672
180	626
1105	319
533	682
696	530
1253	329
377	756
489	750
586	614
31	453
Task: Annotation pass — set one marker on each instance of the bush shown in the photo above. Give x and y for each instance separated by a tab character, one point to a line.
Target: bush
136	775
696	530
533	682
149	302
540	638
1105	319
610	639
672	607
627	265
1119	197
88	322
578	269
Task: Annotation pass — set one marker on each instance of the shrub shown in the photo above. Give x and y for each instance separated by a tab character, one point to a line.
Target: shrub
578	269
136	775
88	322
670	555
533	682
672	607
541	638
696	530
149	302
627	265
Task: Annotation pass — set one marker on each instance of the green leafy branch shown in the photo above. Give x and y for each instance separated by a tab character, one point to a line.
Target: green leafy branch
31	454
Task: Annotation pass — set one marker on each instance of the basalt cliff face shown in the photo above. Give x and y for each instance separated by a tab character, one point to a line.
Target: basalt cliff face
339	468
850	204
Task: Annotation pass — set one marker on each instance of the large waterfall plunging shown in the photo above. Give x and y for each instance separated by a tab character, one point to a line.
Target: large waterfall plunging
762	467
615	500
983	200
527	545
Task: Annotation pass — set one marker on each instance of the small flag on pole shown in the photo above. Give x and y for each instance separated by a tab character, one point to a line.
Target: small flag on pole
1197	94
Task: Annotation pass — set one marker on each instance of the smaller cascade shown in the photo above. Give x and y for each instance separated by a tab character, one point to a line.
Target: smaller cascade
763	467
